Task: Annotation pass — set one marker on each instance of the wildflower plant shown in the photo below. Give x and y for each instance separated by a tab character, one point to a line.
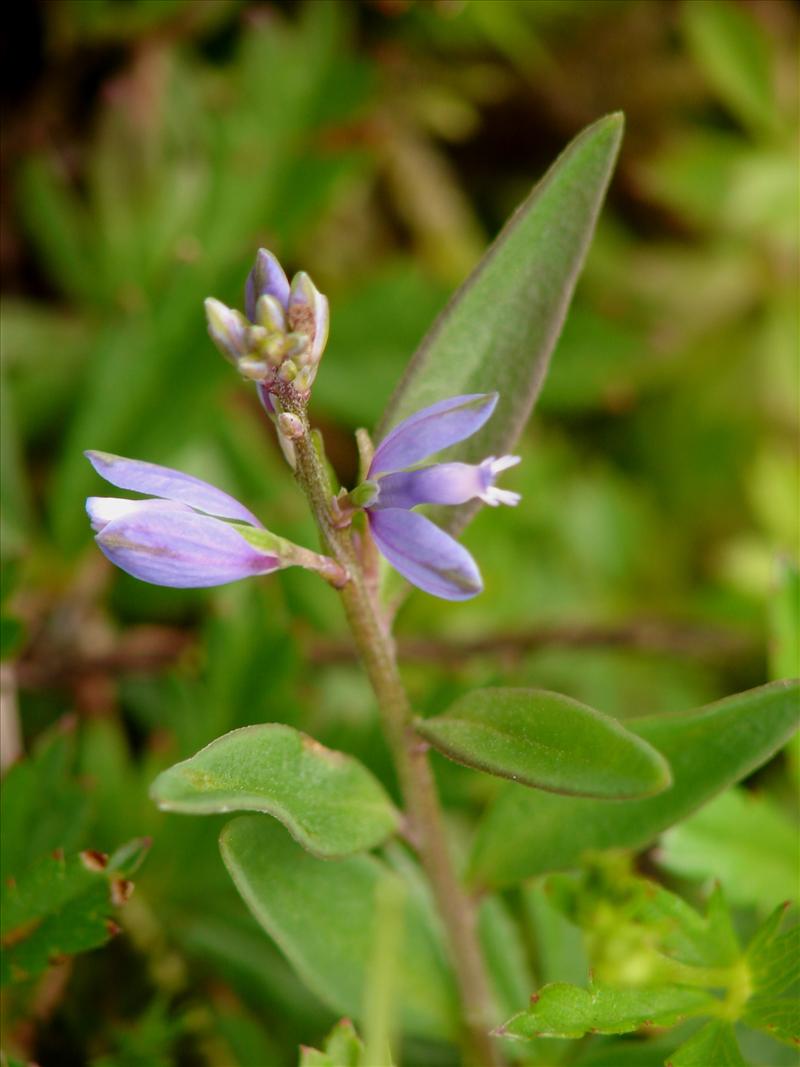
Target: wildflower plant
580	780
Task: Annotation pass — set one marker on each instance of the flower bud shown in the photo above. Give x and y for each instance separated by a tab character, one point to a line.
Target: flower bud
305	379
227	329
287	371
290	425
255	370
308	313
270	314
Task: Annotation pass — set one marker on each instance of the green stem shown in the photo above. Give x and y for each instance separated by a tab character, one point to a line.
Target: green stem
426	824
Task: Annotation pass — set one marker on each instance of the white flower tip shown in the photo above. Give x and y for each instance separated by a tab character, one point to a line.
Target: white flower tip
104	509
494	497
503	463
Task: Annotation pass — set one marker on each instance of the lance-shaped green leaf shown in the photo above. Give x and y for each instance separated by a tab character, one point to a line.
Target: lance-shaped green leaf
500	327
322	916
548	741
714	1045
62	906
708	749
327	800
562	1010
773	960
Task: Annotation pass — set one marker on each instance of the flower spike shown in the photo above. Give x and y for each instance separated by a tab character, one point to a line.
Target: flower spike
283	333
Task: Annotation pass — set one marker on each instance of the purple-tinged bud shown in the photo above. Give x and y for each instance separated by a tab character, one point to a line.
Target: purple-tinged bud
256	336
255	370
308	313
228	329
284	333
266	278
305	379
290	425
270	314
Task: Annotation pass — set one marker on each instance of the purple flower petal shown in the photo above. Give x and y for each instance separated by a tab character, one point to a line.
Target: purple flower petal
424	554
267	276
446	483
186	550
165	482
431	430
265	398
105	509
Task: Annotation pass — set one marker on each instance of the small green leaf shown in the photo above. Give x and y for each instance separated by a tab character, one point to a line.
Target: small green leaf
773	959
708	749
712	1046
561	1010
784	642
62	906
743	839
734	54
327	800
43	806
548	741
498	331
12	635
343	1048
614	906
503	945
321	914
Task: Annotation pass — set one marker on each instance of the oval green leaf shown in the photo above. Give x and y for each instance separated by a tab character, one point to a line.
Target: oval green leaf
548	741
500	327
327	800
322	916
708	749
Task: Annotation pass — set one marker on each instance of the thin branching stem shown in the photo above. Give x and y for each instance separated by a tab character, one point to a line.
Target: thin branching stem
426	825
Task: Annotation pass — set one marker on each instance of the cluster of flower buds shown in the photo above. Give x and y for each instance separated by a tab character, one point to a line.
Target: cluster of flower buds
281	336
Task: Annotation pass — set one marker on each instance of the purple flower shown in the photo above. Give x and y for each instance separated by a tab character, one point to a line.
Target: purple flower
281	336
187	534
416	547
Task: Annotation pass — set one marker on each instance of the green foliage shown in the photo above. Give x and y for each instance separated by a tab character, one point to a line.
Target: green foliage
342	1048
567	1011
328	801
785	609
714	1044
746	841
152	146
656	962
735	56
547	741
773	961
708	749
50	809
500	328
321	914
61	906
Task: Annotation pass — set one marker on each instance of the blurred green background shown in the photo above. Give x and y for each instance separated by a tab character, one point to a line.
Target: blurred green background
150	147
